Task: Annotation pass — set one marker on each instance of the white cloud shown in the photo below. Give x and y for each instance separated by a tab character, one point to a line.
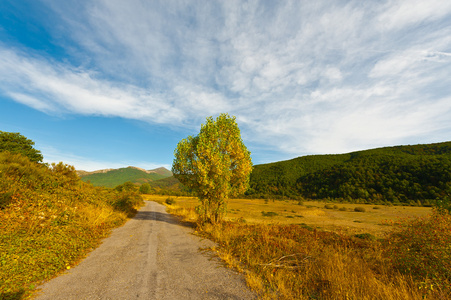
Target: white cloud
50	87
400	14
302	76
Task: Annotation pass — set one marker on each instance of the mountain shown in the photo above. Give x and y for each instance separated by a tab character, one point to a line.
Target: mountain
400	174
114	177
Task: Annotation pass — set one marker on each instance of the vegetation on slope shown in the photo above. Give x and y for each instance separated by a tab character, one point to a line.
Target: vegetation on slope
301	262
14	142
49	219
116	177
419	174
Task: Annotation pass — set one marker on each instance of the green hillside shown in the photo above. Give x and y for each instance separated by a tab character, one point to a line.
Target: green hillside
113	178
401	174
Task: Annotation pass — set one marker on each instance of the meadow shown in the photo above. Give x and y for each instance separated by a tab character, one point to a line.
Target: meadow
338	217
318	250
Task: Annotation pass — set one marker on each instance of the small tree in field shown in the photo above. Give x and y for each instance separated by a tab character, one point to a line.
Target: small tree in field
215	163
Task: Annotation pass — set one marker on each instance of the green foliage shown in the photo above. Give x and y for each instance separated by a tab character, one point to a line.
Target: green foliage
365	236
14	142
416	175
443	206
269	214
360	209
145	188
170	201
126	187
119	176
421	247
49	219
170	186
215	163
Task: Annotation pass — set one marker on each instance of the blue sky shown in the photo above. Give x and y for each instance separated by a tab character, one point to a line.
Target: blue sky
109	83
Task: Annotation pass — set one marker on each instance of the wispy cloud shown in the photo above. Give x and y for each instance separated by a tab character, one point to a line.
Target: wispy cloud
301	76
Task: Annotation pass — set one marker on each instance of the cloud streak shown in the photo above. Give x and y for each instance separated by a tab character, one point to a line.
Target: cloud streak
301	77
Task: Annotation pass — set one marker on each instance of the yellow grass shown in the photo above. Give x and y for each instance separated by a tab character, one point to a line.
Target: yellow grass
281	261
312	213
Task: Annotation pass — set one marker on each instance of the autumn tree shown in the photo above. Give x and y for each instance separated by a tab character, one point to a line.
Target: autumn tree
215	163
14	142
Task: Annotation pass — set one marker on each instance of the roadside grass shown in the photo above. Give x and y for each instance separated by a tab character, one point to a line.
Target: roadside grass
409	259
49	220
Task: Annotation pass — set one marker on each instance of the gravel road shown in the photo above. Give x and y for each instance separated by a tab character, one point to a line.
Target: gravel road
153	256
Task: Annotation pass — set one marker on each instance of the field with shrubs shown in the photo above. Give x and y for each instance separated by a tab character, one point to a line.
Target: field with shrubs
317	250
49	219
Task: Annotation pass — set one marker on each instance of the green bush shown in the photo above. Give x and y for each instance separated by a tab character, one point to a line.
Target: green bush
329	206
443	206
170	201
127	201
16	143
421	247
145	188
365	236
360	209
269	214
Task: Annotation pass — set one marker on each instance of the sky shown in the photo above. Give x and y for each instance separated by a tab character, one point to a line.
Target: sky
110	83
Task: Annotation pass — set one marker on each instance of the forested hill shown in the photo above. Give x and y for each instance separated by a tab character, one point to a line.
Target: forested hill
114	177
401	174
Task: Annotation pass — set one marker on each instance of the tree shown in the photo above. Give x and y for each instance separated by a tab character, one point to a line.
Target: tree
145	188
215	164
14	142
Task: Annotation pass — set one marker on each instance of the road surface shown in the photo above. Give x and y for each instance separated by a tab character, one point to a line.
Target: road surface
153	256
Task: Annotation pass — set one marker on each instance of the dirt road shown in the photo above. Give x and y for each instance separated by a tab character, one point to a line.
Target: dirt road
152	256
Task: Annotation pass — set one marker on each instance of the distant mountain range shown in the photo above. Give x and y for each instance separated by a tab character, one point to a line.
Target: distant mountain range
114	177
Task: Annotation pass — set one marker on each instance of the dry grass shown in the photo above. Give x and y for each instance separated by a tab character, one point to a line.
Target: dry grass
312	213
284	260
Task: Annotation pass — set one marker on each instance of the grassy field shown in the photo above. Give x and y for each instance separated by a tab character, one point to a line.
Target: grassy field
291	250
376	220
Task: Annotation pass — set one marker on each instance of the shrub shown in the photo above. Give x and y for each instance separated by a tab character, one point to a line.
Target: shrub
329	206
365	236
170	201
128	202
360	209
443	206
269	214
5	199
145	188
343	209
421	247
